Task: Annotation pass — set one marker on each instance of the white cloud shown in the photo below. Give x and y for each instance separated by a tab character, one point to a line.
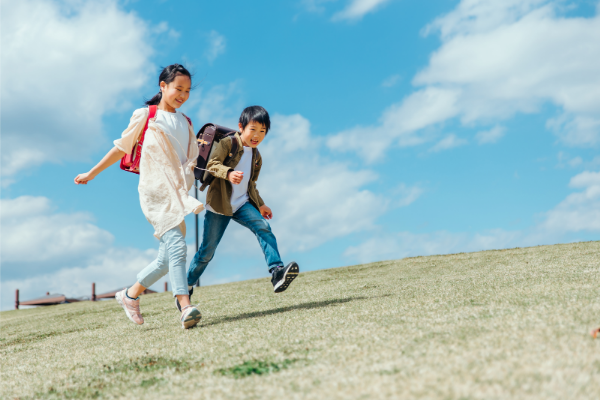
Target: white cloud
64	65
216	45
221	104
449	142
313	198
579	212
565	160
316	6
498	59
356	9
391	81
406	195
490	136
40	240
407	244
400	124
42	250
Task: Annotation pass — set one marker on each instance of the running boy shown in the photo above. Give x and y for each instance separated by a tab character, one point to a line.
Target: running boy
233	195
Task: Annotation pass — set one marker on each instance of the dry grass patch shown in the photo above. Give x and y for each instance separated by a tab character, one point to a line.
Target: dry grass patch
491	325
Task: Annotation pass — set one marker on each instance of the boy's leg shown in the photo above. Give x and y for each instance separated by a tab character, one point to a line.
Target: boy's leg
281	276
251	218
214	228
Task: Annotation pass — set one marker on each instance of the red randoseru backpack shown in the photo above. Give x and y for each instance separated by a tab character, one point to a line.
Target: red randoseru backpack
131	162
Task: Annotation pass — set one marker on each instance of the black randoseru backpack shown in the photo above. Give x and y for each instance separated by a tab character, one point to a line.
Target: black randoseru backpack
207	136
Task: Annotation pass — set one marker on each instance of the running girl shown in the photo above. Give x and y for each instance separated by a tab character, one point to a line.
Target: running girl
168	158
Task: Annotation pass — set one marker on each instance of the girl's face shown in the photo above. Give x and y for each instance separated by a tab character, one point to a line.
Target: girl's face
175	93
252	134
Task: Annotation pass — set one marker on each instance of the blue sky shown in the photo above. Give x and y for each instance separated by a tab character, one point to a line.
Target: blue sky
399	128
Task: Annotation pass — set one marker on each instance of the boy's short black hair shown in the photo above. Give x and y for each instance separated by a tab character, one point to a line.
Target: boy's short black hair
256	114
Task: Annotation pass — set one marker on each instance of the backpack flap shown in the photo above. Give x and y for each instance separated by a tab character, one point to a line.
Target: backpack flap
207	136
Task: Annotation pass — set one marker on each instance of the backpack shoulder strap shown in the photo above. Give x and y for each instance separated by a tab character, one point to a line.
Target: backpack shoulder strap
151	114
233	151
188	119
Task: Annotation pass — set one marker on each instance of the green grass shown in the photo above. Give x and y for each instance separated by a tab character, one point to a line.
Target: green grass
510	324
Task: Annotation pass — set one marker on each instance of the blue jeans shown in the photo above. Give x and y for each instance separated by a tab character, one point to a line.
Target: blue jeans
214	228
172	253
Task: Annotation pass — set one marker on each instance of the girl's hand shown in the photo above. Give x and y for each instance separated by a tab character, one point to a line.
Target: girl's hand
83	179
266	212
235	177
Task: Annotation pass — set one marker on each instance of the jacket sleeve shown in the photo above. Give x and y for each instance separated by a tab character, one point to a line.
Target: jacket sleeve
130	136
257	168
215	164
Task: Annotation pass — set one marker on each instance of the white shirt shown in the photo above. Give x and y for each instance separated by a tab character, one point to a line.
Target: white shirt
239	195
176	127
164	181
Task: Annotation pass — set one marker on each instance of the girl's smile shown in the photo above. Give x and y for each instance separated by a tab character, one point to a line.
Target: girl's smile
176	93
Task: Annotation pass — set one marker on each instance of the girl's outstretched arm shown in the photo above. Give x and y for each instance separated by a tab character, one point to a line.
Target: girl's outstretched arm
109	159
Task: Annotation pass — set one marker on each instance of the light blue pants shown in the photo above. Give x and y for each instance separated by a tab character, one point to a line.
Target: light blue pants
172	253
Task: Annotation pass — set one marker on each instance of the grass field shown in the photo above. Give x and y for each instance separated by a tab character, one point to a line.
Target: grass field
510	324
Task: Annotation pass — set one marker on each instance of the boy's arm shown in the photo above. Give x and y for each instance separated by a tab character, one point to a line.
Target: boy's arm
257	168
215	164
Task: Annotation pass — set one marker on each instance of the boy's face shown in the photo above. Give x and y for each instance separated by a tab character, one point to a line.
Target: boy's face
252	134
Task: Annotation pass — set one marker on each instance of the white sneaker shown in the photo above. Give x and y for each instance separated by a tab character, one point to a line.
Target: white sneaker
190	316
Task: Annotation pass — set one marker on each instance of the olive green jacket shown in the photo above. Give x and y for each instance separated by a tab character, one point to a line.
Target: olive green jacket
219	191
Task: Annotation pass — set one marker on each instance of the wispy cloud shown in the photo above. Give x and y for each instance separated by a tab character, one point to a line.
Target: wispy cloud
498	59
490	136
357	9
447	143
216	45
391	81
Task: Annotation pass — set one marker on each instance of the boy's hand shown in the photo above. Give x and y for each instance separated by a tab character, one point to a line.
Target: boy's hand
83	179
266	212
235	177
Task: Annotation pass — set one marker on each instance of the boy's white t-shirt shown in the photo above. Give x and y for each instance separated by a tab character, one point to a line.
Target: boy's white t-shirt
176	127
239	195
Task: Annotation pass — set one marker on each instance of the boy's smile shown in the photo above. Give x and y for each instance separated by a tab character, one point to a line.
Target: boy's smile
252	134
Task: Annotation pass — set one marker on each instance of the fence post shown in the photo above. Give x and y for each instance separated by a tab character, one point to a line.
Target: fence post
17	299
197	229
93	291
166	286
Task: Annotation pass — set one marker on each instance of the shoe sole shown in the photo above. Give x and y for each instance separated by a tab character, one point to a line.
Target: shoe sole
120	301
290	274
191	319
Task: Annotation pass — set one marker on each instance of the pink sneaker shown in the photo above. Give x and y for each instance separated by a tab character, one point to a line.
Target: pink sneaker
131	307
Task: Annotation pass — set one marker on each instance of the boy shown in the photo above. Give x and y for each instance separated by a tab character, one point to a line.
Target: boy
233	195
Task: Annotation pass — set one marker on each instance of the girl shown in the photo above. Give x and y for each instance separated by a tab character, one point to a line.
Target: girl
167	163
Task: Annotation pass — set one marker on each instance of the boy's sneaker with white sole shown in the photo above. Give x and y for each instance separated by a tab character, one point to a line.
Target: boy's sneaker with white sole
283	276
131	307
191	291
190	316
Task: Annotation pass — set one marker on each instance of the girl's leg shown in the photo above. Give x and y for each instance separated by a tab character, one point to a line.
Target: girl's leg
129	298
152	273
176	251
250	217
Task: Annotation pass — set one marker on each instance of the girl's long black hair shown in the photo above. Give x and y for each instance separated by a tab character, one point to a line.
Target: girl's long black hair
167	76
